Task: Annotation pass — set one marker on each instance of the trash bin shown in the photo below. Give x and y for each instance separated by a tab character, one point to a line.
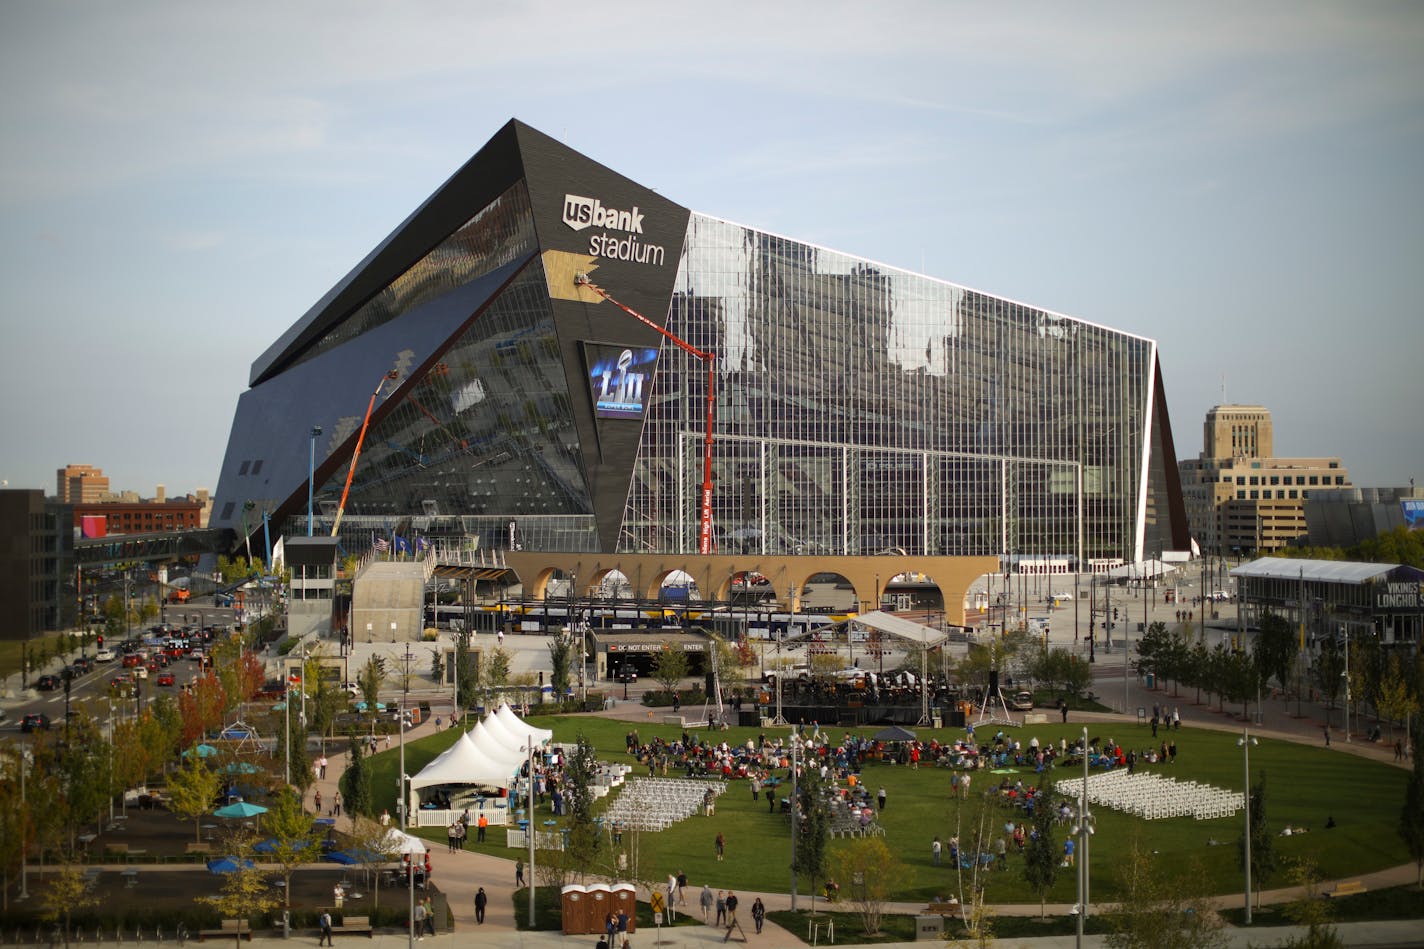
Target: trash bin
1151	681
929	927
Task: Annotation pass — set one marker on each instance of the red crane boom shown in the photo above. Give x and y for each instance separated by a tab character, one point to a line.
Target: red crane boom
704	527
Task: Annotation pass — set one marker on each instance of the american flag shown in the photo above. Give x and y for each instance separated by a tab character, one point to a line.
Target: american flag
381	544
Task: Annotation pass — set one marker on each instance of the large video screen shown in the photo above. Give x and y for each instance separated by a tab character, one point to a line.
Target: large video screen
620	378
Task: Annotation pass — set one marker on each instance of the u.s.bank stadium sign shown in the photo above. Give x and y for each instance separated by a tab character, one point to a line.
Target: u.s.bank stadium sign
627	244
1400	596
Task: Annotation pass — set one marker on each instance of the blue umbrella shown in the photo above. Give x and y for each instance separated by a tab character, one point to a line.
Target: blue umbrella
242	767
270	846
203	751
240	809
228	865
341	857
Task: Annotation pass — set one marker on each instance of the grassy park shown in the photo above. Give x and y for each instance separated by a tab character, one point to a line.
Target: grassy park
1305	785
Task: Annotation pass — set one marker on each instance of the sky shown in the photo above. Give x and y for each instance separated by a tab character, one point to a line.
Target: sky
1243	183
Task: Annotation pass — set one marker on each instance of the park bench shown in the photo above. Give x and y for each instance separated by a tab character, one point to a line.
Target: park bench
230	928
353	925
1349	888
942	909
195	847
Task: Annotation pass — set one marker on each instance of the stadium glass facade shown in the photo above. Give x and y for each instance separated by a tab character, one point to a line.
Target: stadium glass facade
858	409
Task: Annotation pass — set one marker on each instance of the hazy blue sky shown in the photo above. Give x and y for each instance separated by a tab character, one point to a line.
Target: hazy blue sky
179	182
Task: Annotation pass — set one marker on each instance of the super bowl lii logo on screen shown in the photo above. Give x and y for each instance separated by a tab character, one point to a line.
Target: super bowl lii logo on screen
581	212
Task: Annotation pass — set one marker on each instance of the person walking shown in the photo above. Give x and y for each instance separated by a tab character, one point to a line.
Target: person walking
336	805
519	872
325	923
720	846
705	900
317	798
418	923
321	767
429	915
721	907
731	909
1327	736
681	888
480	826
481	901
935	850
880	797
758	913
623	928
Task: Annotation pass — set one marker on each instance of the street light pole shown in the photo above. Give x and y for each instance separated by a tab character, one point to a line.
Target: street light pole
1083	830
795	814
24	893
1246	741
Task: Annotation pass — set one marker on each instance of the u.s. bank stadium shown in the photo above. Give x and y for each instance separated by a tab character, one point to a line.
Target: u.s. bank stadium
549	375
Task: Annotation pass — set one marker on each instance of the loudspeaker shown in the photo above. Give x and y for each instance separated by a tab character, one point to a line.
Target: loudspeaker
993	681
709	685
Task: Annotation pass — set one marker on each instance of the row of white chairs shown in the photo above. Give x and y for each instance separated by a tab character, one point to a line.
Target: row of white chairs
657	803
1154	797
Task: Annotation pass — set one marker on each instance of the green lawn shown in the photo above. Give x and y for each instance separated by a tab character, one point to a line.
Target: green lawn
1305	784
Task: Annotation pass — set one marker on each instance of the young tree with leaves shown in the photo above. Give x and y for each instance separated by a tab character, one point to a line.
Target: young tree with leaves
294	836
1311	911
560	661
357	780
813	831
1041	852
1162	906
874	875
584	839
192	789
1263	854
497	665
247	890
669	667
66	891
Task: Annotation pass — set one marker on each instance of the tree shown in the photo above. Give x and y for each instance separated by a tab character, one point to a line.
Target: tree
1310	911
467	672
293	834
192	789
246	891
1411	816
1041	853
370	680
1395	699
560	653
1275	647
1162	907
202	707
67	891
669	667
585	837
374	846
813	813
1329	671
358	780
1263	854
875	874
497	665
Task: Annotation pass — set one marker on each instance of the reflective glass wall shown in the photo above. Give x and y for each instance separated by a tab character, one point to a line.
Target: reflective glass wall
866	410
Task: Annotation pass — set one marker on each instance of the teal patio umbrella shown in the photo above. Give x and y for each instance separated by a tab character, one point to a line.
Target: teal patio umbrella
241	809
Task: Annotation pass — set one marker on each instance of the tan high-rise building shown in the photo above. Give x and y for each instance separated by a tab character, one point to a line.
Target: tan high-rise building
1239	497
80	484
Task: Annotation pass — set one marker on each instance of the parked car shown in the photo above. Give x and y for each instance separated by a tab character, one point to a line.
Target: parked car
1219	596
797	673
625	673
33	720
48	683
1021	702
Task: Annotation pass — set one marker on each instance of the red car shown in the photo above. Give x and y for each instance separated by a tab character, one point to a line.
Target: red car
165	678
131	660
